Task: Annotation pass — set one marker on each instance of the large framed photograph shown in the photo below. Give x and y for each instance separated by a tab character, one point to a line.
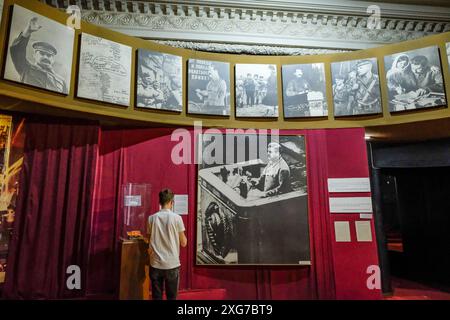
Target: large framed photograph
304	90
256	90
105	70
159	81
447	46
40	51
414	79
209	87
356	87
252	200
12	137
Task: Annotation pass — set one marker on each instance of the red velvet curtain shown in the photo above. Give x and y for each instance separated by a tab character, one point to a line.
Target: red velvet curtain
144	156
51	230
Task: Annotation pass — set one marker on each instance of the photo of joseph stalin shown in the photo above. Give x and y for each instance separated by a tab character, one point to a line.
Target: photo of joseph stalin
275	177
40	73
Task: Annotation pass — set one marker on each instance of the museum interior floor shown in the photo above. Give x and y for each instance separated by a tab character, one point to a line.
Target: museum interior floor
409	290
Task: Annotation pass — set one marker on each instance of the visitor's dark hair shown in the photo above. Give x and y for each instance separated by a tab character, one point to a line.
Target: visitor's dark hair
165	196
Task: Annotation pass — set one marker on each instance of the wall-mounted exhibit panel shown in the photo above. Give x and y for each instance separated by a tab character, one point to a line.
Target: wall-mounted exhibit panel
40	51
253	206
105	70
103	73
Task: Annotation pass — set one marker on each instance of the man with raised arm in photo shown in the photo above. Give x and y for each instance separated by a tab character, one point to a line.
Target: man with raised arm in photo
41	72
165	233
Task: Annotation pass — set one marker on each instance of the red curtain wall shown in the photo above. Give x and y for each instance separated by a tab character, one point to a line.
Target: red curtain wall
51	230
144	156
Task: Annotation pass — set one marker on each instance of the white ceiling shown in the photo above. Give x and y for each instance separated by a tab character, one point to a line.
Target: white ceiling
429	9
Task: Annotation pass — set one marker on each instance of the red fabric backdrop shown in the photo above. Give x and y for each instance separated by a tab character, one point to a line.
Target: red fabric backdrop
144	156
52	225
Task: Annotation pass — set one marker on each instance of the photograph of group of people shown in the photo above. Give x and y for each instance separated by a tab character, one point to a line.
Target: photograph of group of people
40	52
159	81
356	87
256	90
414	79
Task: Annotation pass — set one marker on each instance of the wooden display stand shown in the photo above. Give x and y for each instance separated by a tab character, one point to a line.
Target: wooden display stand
134	267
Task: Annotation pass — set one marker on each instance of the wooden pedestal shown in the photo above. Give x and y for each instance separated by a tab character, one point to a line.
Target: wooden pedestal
134	278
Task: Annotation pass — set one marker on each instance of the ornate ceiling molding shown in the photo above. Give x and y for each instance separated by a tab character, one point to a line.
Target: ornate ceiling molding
246	49
318	24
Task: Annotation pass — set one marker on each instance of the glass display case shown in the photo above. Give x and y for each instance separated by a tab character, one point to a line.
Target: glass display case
135	207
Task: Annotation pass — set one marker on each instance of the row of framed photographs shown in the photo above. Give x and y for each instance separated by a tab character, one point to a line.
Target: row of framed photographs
40	53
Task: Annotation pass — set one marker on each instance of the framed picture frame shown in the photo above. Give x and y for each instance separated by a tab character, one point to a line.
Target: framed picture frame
356	87
415	80
40	51
304	90
256	90
208	87
252	200
159	81
104	70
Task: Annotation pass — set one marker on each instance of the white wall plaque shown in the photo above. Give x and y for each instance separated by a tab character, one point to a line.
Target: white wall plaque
348	185
133	201
342	231
351	205
363	231
180	205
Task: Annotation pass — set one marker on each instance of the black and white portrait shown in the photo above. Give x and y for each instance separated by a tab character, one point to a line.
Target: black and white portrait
40	51
105	70
252	200
304	90
414	79
256	90
209	87
159	81
356	87
447	46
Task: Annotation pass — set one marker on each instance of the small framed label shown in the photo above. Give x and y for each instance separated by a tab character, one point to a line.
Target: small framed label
181	204
342	231
348	185
363	231
133	201
351	205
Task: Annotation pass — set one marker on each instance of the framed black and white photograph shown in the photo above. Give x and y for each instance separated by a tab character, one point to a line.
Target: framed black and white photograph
414	79
256	90
447	46
304	90
208	87
105	70
356	87
159	81
40	51
252	200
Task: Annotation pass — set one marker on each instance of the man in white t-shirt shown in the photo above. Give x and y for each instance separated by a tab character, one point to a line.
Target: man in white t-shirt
166	234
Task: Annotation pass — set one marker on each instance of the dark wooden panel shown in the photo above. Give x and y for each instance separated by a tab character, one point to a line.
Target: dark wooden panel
134	280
